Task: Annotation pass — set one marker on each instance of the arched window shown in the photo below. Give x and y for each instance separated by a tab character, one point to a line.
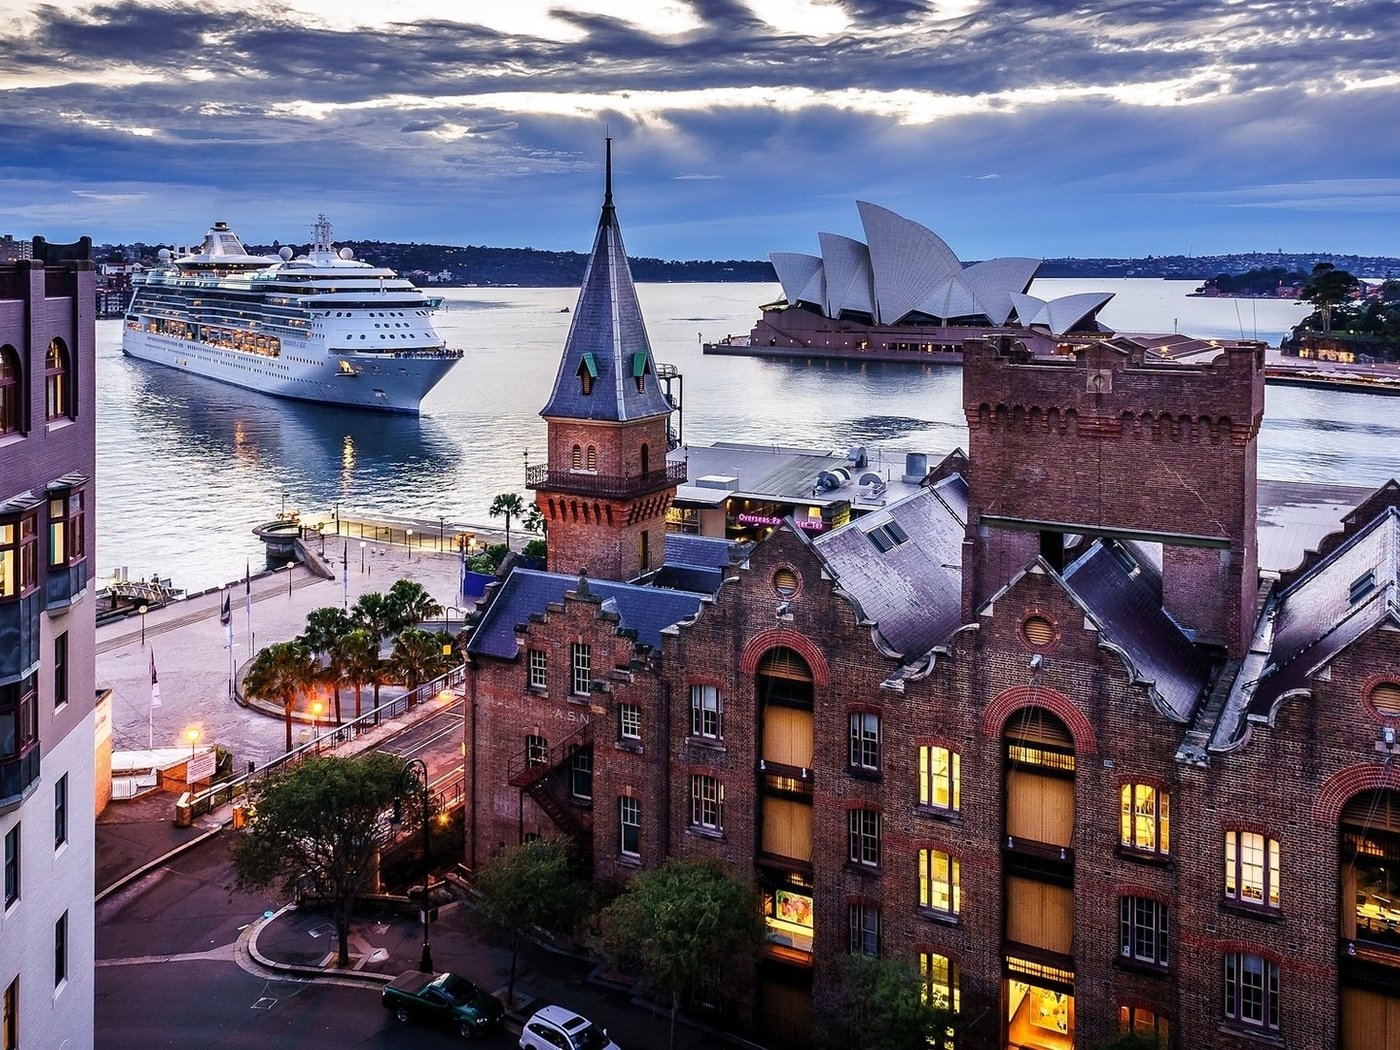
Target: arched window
11	391
58	385
592	458
784	678
576	460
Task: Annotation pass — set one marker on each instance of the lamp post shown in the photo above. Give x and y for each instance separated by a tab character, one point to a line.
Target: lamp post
142	611
316	708
425	961
362	556
337	519
442	522
192	735
410	544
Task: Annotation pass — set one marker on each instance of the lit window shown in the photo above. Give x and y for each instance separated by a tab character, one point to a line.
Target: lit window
57	381
582	669
1146	819
939	977
706	803
940	882
629	721
1138	1021
1252	868
1142	926
705	711
865	741
864	923
19	556
539	669
1251	990
629	819
939	778
863	837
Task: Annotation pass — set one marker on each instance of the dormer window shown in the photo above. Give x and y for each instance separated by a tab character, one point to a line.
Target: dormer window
1361	586
587	372
641	368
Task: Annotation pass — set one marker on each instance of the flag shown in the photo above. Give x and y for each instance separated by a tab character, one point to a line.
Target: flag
247	588
225	614
155	683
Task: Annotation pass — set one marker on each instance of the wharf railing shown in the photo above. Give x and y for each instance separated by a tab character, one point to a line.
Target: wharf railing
226	791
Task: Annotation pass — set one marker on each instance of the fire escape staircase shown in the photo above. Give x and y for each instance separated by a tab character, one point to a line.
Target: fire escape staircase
548	783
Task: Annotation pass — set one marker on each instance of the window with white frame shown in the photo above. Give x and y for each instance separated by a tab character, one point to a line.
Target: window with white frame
629	819
863	836
1251	990
60	811
940	776
1145	819
536	750
581	775
706	803
1252	868
539	669
705	712
60	950
1142	930
12	865
940	882
865	741
582	663
864	925
629	720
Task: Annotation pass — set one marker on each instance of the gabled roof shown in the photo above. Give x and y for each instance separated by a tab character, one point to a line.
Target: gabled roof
1123	592
1353	589
907	579
527	592
606	337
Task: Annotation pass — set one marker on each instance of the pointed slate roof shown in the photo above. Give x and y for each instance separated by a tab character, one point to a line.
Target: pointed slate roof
607	338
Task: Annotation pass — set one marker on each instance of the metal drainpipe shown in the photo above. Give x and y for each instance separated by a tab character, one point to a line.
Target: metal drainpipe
471	778
666	768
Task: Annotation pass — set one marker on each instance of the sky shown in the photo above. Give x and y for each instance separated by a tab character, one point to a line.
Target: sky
1040	128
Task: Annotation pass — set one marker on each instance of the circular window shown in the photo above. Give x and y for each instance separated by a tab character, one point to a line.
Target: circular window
785	582
1038	631
1385	697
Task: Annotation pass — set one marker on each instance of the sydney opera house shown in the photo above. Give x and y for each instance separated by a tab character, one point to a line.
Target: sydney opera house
904	295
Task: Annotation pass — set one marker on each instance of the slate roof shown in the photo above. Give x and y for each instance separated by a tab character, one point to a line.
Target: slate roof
607	338
1347	594
701	551
913	589
1122	591
645	610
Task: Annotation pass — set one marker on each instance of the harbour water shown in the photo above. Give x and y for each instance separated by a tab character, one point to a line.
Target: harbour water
187	466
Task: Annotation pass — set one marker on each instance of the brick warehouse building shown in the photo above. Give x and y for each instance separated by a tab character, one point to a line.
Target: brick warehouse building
1041	729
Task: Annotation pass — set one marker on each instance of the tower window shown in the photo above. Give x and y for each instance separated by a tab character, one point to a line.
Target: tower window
587	373
576	459
592	459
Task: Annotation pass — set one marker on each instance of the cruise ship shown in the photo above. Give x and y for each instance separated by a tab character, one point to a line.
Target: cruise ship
317	327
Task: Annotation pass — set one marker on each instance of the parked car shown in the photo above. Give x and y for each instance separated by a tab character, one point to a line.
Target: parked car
445	999
555	1028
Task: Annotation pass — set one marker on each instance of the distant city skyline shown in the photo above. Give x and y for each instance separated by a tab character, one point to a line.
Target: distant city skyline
742	127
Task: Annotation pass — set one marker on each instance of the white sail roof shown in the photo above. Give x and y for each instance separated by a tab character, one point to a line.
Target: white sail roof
799	274
906	259
849	284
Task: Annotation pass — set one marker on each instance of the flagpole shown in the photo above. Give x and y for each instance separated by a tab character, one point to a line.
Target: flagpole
345	573
248	604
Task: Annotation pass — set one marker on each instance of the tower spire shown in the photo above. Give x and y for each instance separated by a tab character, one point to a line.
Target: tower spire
607	179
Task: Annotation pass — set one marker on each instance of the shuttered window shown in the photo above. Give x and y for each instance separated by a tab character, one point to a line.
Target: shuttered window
1039	808
1370	1020
1040	915
787	829
787	736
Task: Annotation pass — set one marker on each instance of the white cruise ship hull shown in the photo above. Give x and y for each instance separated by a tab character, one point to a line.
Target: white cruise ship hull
385	382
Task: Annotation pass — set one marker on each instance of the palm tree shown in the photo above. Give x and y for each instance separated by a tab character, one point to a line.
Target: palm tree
410	604
417	658
373	612
281	673
324	629
507	505
357	653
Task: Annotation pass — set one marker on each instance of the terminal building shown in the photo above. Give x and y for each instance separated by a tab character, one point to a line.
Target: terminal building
47	696
1042	727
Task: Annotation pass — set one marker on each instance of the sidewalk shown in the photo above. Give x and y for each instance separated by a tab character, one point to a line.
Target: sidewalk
138	836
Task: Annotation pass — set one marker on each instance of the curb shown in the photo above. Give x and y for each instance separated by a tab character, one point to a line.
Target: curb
304	971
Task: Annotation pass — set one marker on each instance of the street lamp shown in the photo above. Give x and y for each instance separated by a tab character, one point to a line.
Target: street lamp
442	522
142	611
316	708
410	544
425	961
192	735
362	556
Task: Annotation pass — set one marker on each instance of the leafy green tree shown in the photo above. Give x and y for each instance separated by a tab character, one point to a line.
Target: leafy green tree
357	654
533	884
881	1004
319	818
1326	288
282	673
507	505
535	521
418	658
489	560
409	604
678	921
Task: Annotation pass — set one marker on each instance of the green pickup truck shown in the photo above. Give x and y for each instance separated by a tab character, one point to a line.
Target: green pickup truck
444	999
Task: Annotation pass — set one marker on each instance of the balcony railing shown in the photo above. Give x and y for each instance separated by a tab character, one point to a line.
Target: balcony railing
587	483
